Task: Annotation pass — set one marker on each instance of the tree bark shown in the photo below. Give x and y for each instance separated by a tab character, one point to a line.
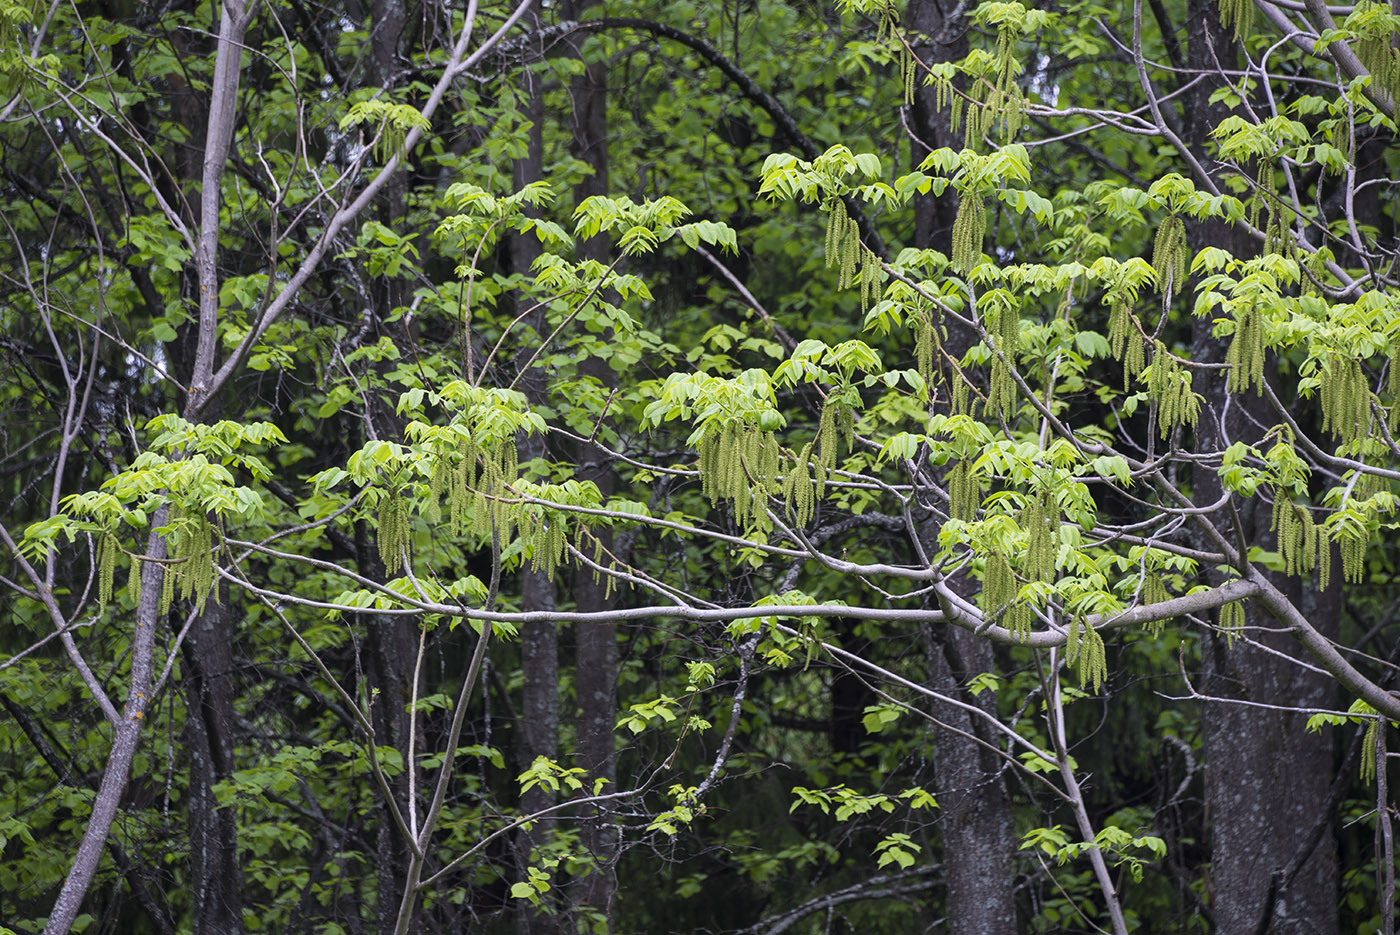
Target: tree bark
979	837
596	654
539	641
215	876
977	826
126	736
1263	794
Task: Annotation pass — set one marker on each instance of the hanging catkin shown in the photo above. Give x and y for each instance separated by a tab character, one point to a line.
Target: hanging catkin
969	227
1246	354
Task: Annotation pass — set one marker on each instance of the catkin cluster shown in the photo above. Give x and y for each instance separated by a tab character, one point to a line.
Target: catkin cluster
1246	354
1231	620
1346	400
964	492
999	587
742	464
1040	518
1277	237
1393	379
844	249
1085	651
475	482
395	528
1001	389
1154	592
1124	336
1353	552
1169	255
1381	59
1238	12
969	227
1169	386
191	570
1303	545
107	549
997	99
543	535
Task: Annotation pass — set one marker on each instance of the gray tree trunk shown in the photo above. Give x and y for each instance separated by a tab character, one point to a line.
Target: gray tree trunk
538	731
1267	780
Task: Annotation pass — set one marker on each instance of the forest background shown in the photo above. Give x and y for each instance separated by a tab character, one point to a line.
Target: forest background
745	466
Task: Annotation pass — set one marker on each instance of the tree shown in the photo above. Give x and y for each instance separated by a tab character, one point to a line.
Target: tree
502	549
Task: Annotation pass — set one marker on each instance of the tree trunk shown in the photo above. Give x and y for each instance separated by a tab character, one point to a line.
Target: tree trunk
209	732
539	641
979	836
596	657
1267	780
978	830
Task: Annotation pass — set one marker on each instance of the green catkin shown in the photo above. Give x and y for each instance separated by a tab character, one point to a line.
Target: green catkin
850	255
998	587
437	481
393	532
964	492
925	347
797	489
969	228
1346	400
961	393
1170	388
1072	639
1231	620
906	61
706	465
1368	746
167	589
1019	620
1119	324
1169	255
725	462
1041	539
1246	354
827	438
1238	12
198	577
133	581
1090	658
1324	559
1154	592
835	230
107	550
1353	551
1289	530
1382	61
772	461
870	274
1394	383
1136	357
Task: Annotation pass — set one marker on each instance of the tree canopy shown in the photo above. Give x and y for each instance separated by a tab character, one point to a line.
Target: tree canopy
748	467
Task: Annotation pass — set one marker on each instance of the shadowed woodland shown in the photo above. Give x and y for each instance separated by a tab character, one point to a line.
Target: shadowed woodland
729	467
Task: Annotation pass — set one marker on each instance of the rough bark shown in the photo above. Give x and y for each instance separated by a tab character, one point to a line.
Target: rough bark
126	736
596	654
935	37
539	641
1267	781
209	739
977	826
979	839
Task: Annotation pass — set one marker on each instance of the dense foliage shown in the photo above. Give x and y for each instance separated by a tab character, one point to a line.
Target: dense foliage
669	467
